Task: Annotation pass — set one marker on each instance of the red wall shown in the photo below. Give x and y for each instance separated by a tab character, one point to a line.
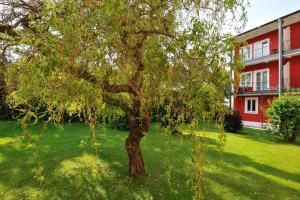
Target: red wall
273	36
295	35
239	104
295	71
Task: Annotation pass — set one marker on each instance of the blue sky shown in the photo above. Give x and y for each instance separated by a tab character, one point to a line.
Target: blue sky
263	11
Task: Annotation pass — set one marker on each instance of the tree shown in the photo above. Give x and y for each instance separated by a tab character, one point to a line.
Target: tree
86	55
284	116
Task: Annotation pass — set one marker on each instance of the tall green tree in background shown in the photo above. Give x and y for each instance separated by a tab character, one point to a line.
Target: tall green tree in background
82	56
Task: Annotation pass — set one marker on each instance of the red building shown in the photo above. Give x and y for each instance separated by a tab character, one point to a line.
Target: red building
272	66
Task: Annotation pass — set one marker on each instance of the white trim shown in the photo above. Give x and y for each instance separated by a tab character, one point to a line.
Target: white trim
255	124
256	105
261	42
251	80
255	77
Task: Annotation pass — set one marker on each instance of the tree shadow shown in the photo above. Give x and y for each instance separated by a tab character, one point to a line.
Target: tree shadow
245	178
73	173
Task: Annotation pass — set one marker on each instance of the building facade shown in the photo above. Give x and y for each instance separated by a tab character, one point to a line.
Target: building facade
271	54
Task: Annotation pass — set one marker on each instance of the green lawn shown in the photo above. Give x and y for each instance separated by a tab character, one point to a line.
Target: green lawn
255	165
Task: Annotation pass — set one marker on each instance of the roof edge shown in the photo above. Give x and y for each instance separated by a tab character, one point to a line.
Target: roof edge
258	27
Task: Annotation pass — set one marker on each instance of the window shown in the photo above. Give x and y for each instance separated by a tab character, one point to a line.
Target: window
246	52
246	79
261	78
251	105
262	48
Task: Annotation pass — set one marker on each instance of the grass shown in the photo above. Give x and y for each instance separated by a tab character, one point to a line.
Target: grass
254	165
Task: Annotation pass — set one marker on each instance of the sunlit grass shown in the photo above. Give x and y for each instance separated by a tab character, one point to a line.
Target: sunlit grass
254	165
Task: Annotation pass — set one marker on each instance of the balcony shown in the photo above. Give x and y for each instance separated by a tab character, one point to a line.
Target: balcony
263	88
270	53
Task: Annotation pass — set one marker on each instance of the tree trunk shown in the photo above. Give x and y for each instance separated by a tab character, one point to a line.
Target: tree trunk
292	139
138	129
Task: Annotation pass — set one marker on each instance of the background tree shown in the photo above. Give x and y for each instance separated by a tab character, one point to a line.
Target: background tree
82	56
284	116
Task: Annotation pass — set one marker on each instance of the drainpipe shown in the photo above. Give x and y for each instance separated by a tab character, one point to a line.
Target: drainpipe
230	96
280	56
231	85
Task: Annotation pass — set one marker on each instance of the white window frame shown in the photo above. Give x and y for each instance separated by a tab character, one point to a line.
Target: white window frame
256	105
255	77
241	75
261	48
251	52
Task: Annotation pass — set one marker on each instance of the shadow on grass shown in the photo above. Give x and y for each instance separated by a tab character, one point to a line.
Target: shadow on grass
72	173
247	179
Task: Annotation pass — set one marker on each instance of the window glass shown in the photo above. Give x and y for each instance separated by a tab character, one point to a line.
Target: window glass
265	79
262	79
249	105
246	80
253	105
258	81
261	49
246	52
258	50
265	48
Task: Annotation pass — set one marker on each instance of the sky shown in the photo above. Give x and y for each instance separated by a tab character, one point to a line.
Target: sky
263	11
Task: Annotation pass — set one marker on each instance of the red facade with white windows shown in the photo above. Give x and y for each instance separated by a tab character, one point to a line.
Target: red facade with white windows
263	50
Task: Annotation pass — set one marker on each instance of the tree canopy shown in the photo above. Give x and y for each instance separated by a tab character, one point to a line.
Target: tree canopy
83	56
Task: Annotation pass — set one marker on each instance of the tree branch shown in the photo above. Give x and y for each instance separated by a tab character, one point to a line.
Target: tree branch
8	30
119	88
117	103
83	74
153	32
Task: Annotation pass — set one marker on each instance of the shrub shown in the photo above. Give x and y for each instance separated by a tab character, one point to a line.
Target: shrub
284	116
232	122
122	123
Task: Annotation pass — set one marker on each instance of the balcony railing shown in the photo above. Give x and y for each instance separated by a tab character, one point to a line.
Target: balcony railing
257	87
264	87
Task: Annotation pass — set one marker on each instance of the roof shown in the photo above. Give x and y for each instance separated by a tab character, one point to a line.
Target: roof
270	26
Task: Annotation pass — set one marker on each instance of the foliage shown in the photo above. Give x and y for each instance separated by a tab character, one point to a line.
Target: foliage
171	114
294	90
115	118
284	116
198	163
86	56
232	122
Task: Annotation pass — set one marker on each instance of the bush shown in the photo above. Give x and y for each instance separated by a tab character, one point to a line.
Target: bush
232	122
284	117
122	123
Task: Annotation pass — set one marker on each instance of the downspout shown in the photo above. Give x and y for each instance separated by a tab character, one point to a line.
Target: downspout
230	96
231	84
262	111
280	57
